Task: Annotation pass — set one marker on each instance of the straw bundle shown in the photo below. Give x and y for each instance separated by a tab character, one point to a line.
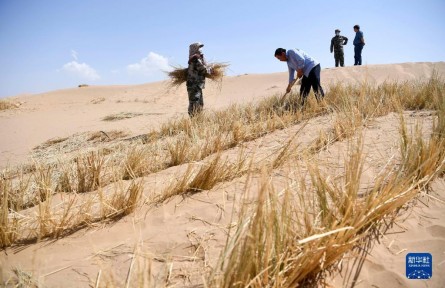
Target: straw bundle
179	74
217	71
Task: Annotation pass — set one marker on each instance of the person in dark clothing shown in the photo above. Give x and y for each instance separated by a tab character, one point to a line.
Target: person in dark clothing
196	74
337	43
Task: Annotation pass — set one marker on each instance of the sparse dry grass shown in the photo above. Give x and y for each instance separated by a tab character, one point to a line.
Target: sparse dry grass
6	105
98	100
286	240
51	142
137	163
74	213
102	136
90	170
290	242
285	231
8	225
205	177
121	116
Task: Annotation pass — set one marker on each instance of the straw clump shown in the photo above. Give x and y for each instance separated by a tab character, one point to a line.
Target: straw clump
179	74
6	105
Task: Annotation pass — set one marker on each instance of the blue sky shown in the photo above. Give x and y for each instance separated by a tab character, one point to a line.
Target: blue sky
53	44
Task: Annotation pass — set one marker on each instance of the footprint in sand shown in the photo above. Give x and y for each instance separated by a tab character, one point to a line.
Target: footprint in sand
436	231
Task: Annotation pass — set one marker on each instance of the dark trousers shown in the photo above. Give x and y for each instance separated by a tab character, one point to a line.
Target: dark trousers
196	100
313	80
339	57
358	54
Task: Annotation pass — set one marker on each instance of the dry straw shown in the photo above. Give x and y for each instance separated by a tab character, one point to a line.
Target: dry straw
6	105
179	74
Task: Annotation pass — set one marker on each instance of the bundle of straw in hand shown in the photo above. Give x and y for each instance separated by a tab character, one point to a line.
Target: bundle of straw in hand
217	71
179	74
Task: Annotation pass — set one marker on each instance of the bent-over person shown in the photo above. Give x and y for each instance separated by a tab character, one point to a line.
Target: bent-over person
308	69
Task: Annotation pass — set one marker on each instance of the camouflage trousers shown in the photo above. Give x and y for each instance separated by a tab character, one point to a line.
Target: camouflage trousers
196	101
339	57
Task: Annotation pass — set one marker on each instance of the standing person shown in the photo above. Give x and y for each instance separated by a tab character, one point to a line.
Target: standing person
196	73
307	68
359	42
337	43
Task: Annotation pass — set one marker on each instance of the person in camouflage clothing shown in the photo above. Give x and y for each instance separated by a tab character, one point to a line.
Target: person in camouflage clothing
337	43
196	74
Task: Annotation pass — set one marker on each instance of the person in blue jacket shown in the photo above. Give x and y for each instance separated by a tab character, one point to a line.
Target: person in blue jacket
308	70
359	42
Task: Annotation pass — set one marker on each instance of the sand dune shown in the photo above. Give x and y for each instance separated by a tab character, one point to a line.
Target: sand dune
172	231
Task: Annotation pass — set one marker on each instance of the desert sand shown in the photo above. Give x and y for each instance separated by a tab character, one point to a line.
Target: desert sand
184	236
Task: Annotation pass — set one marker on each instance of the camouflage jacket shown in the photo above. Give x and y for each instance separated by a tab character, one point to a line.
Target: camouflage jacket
196	72
337	42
